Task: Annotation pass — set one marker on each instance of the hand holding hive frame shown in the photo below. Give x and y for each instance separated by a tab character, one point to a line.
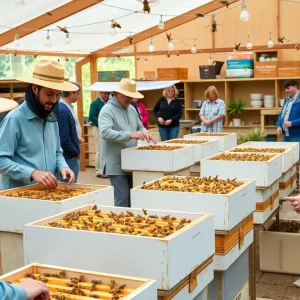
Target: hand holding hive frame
76	288
159	147
57	194
242	157
122	223
268	150
206	185
187	141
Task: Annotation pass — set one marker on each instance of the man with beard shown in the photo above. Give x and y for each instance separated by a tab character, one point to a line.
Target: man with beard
30	149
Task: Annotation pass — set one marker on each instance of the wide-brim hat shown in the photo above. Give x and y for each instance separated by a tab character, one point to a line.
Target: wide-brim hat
127	87
50	74
7	104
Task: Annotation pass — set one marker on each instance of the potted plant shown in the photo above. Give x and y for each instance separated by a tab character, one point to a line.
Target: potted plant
236	108
255	135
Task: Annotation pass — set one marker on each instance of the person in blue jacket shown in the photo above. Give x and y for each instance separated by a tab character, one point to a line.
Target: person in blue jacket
28	289
288	125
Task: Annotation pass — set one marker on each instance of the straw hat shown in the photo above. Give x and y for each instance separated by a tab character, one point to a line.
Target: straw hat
7	104
128	88
49	74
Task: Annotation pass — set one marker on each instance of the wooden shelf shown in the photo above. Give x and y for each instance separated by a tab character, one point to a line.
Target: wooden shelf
245	126
262	108
193	109
270	126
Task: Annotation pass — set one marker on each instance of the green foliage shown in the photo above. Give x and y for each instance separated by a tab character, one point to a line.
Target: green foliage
254	135
236	107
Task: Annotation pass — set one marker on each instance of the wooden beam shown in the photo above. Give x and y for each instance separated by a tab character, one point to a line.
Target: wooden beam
47	19
175	22
93	75
211	50
278	18
41	53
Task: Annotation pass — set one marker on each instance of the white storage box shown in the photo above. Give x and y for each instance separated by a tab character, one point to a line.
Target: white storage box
287	182
15	212
202	150
287	156
294	146
167	260
135	288
265	173
228	209
157	160
267	201
226	140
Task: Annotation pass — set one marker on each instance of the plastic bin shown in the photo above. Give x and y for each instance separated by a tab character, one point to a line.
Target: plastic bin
210	72
195	129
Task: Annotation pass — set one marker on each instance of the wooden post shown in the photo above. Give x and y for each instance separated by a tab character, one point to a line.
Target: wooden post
93	74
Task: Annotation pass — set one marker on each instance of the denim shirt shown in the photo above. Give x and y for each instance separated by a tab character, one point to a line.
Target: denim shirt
27	143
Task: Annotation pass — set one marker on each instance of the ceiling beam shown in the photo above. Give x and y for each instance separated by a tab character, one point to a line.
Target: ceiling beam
211	50
46	19
41	53
175	22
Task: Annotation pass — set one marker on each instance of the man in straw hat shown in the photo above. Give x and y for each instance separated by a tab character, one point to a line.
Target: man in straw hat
120	127
30	149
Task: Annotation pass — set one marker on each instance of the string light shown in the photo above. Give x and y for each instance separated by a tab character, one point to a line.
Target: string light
112	30
48	41
270	42
209	60
17	39
244	13
19	3
161	24
151	46
249	45
68	40
145	60
170	46
194	48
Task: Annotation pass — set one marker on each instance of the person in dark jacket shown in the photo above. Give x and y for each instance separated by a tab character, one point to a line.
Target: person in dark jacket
168	111
67	129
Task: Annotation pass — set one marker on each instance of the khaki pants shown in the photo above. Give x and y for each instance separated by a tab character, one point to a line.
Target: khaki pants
98	147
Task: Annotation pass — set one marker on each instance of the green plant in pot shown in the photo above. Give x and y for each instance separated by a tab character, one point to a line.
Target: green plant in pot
236	108
255	135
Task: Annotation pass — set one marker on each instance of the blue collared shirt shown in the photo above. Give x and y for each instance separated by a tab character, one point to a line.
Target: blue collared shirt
209	111
27	143
9	292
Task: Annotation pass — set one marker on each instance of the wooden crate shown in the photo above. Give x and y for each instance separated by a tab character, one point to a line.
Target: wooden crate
227	209
157	160
162	259
226	141
267	201
287	182
287	156
265	173
136	288
15	212
288	68
202	150
172	73
294	146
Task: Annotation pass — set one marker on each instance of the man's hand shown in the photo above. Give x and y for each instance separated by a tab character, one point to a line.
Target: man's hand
295	202
137	135
47	179
168	122
279	130
81	140
287	124
161	121
67	173
35	289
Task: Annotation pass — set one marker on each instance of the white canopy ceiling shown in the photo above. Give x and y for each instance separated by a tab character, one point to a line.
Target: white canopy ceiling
89	29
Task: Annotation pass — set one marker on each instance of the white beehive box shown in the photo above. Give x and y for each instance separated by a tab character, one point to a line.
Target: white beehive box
287	182
136	288
265	173
166	260
267	201
15	212
229	210
226	140
287	156
157	160
294	146
202	150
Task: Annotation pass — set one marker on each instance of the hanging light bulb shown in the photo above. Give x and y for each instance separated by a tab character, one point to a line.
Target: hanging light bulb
170	46
19	3
249	45
194	48
209	60
151	46
270	42
17	39
112	30
68	40
244	13
48	41
145	60
161	24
